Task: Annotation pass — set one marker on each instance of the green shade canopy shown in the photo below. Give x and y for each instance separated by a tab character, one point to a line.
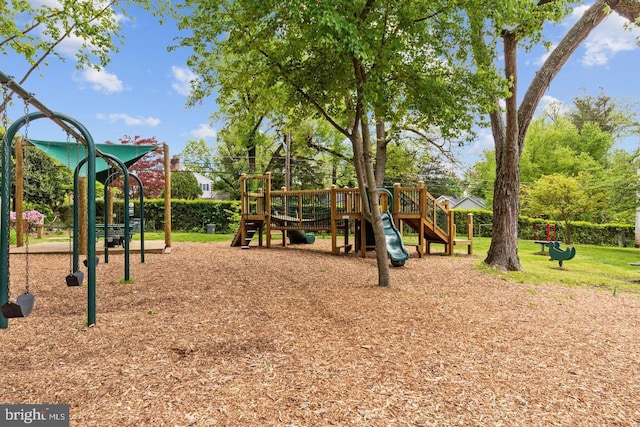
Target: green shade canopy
71	153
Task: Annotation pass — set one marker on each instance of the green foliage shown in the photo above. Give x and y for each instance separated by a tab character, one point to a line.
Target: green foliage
570	146
186	215
581	232
612	116
199	157
46	183
184	185
33	30
288	61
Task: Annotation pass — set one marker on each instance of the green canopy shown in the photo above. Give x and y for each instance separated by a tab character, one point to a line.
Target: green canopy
70	153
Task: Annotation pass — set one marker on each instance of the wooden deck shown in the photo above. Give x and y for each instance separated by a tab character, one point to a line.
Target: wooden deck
150	247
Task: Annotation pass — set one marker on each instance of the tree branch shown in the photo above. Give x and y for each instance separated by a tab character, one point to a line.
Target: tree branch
306	96
556	60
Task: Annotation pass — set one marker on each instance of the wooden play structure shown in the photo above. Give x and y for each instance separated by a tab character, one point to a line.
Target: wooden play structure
338	210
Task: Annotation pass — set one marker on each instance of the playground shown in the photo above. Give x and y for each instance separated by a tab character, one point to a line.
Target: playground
297	336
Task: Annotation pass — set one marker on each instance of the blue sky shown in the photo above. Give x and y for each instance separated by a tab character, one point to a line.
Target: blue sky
143	90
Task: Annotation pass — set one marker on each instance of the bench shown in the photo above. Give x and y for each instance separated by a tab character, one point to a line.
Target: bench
115	233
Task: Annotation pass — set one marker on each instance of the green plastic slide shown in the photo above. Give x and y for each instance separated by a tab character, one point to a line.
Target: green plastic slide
395	248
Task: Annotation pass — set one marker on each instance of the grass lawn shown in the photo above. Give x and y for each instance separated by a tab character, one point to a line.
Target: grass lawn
593	266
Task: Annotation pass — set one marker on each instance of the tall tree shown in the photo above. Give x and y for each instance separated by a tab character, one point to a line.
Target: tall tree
184	185
611	115
562	198
338	59
522	25
150	168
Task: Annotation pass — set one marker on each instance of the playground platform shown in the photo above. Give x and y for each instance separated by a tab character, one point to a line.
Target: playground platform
150	247
338	211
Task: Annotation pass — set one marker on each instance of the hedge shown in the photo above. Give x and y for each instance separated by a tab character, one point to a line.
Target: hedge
186	215
581	232
194	215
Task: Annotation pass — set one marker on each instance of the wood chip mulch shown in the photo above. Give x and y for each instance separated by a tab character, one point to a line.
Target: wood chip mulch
211	335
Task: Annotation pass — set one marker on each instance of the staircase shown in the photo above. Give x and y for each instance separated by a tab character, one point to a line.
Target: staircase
431	233
251	227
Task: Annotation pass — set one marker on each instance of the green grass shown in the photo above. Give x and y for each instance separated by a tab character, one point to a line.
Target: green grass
181	236
593	266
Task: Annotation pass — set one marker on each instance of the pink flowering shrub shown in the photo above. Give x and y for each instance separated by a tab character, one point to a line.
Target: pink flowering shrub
32	217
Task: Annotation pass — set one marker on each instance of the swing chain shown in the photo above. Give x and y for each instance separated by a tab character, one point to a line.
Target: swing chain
5	123
25	147
71	229
5	106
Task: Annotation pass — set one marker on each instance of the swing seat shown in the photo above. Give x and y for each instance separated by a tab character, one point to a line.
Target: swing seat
21	308
75	279
86	262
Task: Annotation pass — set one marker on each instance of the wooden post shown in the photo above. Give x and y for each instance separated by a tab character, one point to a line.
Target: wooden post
108	210
267	208
167	199
83	247
422	207
451	228
334	220
470	233
244	210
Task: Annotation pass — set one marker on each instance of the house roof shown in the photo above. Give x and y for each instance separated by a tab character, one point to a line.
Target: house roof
459	201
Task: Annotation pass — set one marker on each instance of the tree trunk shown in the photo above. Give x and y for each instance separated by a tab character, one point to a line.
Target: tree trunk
382	257
567	232
503	252
251	143
363	161
381	151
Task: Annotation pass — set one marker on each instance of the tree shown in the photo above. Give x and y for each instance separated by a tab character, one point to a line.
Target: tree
150	168
522	26
197	156
47	183
621	186
184	185
562	198
613	116
351	63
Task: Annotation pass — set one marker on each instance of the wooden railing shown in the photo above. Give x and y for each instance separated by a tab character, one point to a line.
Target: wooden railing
332	209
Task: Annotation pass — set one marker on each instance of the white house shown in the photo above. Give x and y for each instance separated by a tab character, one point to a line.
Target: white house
205	183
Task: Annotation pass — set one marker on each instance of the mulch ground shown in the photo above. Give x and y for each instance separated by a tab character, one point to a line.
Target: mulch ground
211	335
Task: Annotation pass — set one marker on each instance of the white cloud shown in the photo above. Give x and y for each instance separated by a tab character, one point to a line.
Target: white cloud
483	143
607	39
128	120
100	80
552	106
182	79
204	131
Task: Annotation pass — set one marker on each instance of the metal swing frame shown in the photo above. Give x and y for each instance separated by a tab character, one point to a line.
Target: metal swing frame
82	135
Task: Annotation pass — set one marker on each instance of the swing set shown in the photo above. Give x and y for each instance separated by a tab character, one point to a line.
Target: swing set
23	304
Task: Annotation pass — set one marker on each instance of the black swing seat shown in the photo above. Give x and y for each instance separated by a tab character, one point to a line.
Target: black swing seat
75	279
21	308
